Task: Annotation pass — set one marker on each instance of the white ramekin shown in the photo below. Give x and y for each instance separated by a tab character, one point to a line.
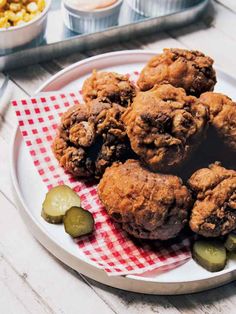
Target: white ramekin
153	8
21	35
90	21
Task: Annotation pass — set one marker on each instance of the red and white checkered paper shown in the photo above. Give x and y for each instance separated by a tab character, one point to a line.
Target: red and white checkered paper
109	247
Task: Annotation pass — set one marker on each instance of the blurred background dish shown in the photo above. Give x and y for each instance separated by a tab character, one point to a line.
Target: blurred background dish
92	5
154	8
22	32
18	12
93	17
59	40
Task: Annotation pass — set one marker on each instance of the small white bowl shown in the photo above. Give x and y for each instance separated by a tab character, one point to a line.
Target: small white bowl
21	35
90	21
154	8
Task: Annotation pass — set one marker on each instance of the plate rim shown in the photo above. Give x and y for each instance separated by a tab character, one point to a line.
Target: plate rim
89	269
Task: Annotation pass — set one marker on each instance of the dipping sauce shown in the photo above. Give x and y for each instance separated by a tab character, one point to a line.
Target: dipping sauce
90	5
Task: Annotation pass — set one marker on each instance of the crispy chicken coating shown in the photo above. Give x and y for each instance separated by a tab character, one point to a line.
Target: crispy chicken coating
148	205
112	86
214	211
91	137
191	70
164	126
222	115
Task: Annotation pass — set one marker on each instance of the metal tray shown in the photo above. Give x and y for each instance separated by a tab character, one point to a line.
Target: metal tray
61	41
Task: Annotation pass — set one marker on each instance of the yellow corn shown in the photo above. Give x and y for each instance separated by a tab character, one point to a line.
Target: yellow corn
20	16
32	7
3	22
15	7
41	5
18	12
2	3
27	17
11	16
18	23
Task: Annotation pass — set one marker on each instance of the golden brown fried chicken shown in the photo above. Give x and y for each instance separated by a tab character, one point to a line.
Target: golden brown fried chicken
148	205
164	125
91	137
112	86
222	115
191	70
214	211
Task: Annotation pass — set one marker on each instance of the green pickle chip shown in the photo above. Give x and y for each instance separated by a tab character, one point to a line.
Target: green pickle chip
78	222
57	201
211	255
230	242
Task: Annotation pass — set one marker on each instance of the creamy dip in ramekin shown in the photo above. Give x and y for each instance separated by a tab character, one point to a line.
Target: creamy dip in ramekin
90	5
89	16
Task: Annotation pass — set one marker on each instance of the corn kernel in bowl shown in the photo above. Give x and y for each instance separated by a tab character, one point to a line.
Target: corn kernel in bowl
19	12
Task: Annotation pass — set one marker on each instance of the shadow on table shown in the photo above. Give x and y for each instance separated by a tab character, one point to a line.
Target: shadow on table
210	301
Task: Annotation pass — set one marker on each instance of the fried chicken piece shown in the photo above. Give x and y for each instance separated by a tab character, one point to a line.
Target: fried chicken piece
214	211
91	137
164	126
112	86
148	205
222	115
191	70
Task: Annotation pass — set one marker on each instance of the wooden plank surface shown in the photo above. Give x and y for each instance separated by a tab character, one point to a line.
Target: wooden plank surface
230	4
49	280
41	284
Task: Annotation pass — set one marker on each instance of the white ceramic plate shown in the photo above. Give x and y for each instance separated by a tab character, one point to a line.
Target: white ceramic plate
31	191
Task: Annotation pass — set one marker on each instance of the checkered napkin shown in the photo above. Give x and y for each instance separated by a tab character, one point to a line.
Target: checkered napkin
108	247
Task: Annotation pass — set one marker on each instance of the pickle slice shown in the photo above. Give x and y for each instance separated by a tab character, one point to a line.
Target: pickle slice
230	242
57	201
232	256
78	222
211	255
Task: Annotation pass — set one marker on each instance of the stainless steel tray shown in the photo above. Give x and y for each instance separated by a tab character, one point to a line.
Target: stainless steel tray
60	41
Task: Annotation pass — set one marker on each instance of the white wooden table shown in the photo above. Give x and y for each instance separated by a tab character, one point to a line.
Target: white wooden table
31	279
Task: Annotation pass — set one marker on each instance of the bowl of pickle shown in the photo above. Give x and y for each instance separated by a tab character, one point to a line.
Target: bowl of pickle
21	22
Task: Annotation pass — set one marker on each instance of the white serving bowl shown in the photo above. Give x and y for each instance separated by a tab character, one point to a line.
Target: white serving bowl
154	8
21	35
90	21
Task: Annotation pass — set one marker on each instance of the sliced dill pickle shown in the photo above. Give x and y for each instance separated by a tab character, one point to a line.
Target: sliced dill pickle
230	242
78	222
211	255
232	256
57	201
